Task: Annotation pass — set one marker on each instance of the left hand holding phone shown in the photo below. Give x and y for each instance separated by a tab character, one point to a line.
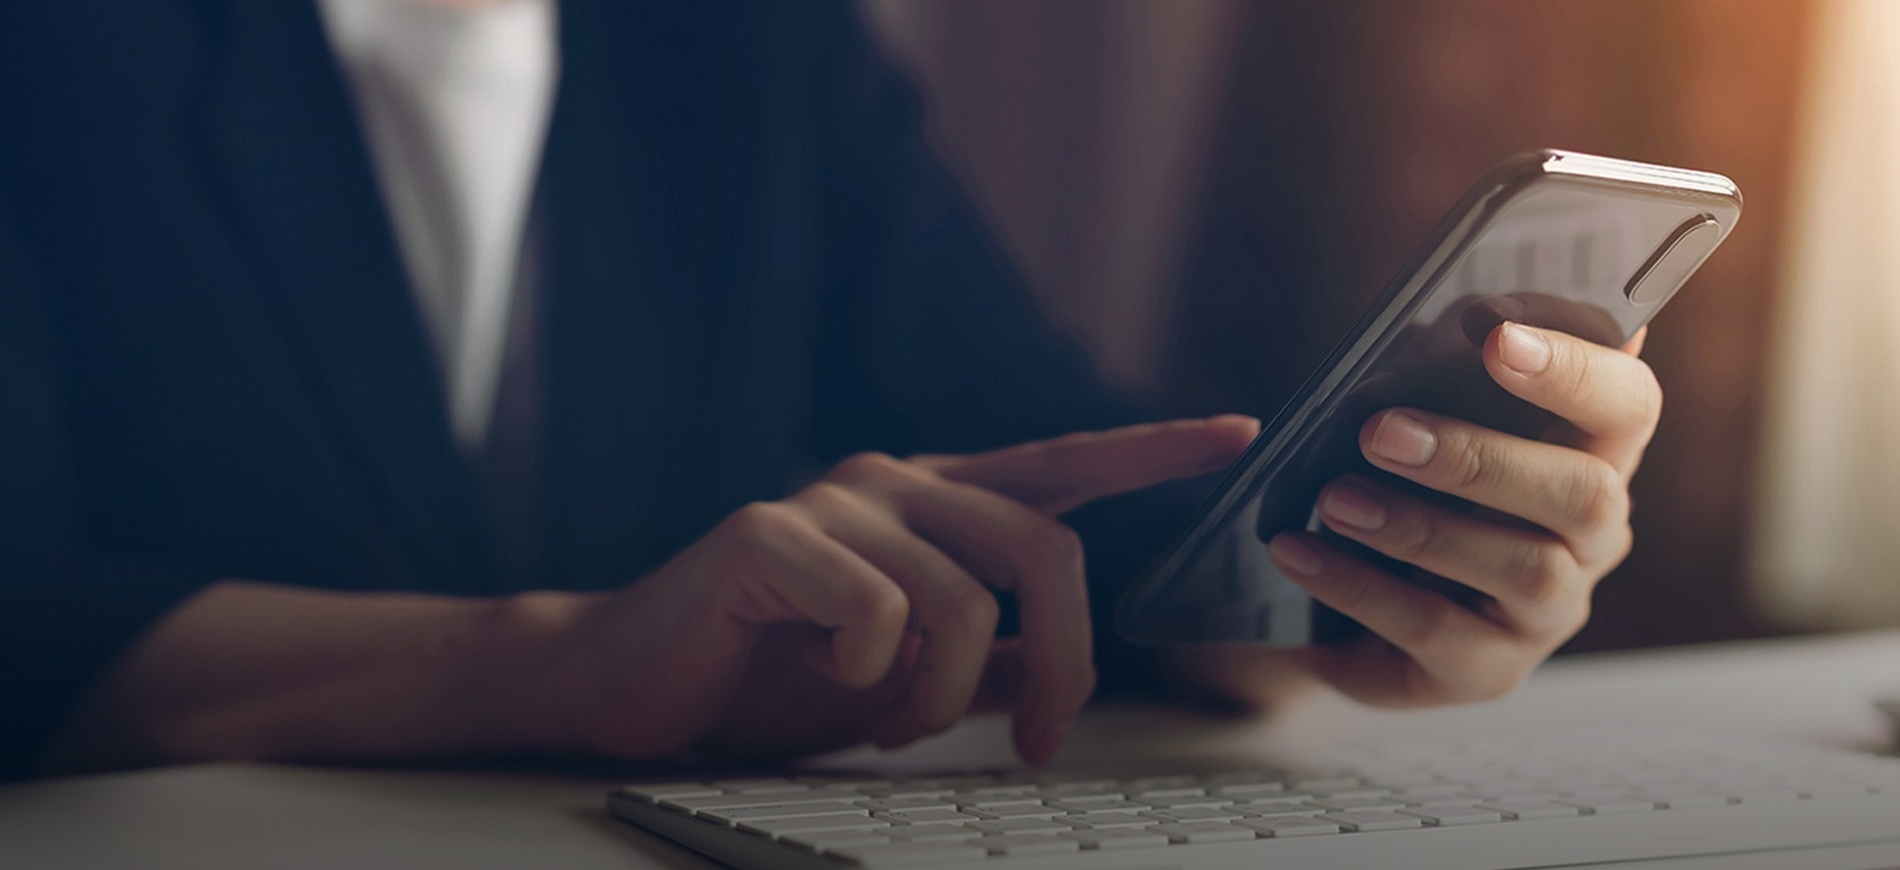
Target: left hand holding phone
1555	521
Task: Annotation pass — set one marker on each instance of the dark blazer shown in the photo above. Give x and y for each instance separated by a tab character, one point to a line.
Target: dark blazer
214	367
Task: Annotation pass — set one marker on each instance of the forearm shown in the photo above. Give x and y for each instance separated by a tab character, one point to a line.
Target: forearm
256	671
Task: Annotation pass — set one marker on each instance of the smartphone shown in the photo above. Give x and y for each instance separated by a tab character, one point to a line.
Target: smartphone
1592	246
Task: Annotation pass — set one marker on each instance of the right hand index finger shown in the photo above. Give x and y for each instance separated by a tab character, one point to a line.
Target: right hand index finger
1061	474
1010	546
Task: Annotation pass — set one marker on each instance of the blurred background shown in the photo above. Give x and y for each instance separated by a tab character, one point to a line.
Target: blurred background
1206	193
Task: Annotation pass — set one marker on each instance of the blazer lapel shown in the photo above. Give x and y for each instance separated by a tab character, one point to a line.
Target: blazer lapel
284	152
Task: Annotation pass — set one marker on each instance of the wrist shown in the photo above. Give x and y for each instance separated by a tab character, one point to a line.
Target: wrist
522	678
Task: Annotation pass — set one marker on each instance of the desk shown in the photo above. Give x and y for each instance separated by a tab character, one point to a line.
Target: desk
215	816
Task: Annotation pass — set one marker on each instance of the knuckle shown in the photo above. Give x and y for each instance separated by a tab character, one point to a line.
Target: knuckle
869	465
761	519
1355	589
1419	537
1651	391
1625	543
1579	368
826	494
1471	463
1541	576
883	605
1054	543
1579	617
1595	495
1436	626
974	608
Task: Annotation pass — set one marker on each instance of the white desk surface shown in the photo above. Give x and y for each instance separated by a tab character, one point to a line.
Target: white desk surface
253	816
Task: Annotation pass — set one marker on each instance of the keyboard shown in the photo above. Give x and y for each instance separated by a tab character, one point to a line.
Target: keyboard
1530	803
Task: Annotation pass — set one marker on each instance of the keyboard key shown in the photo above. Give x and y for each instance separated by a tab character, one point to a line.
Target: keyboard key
1256	804
1449	800
735	801
1244	789
827	822
1000	787
1117	839
1017	791
1177	803
760	786
1194	814
1447	816
1611	806
1014	811
1361	803
1021	826
928	833
1326	782
777	811
1106	820
1017	845
1205	832
1095	805
1373	820
925	817
821	841
1428	792
654	792
1079	796
900	854
1062	780
899	805
1351	793
1149	794
1528	811
906	791
1276	810
1832	790
1686	801
843	781
1290	826
1147	783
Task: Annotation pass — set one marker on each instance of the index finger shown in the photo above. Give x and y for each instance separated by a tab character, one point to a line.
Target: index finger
1012	547
1061	474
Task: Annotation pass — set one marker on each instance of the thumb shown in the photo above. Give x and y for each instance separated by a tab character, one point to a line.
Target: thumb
1061	474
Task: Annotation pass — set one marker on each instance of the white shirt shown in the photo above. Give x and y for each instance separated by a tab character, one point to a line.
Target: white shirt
455	105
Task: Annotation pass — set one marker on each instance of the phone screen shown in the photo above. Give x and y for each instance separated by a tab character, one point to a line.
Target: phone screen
1577	247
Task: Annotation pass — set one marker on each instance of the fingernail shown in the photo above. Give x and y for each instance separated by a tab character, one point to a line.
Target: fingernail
1295	555
1350	504
1523	350
1404	439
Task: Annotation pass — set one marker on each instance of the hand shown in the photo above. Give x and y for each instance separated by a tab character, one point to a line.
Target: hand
862	606
1556	521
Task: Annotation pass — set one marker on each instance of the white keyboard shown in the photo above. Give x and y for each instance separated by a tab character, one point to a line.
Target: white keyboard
1555	801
